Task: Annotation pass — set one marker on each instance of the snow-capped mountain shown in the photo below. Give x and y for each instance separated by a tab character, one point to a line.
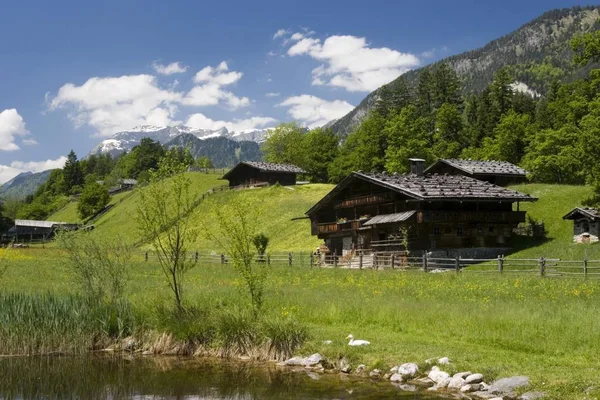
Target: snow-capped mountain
125	141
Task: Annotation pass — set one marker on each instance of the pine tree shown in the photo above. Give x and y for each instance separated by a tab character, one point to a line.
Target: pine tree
73	176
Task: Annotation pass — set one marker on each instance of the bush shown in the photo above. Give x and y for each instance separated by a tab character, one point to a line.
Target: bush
99	264
94	198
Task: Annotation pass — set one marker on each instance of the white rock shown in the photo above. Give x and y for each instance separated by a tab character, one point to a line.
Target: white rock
361	368
444	383
313	359
474	378
375	374
437	375
408	370
295	361
462	374
327	342
456	383
443	361
394	369
396	378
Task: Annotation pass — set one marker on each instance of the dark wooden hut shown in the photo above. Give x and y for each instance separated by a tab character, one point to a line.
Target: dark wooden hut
383	212
249	173
499	173
24	229
586	224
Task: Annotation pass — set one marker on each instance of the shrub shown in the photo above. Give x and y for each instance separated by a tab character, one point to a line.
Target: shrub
94	198
285	336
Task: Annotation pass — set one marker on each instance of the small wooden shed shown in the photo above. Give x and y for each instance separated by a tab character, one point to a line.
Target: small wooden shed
586	224
499	173
257	173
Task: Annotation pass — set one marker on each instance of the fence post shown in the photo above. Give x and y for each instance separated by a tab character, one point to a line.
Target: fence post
360	260
146	256
335	259
222	258
585	264
290	259
542	266
268	259
501	263
457	264
392	260
311	259
196	256
425	267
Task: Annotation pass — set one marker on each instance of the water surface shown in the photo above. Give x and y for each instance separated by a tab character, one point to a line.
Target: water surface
178	378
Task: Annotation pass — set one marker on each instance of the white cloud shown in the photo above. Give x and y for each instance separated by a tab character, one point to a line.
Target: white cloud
30	142
200	121
351	64
7	172
272	94
271	53
114	104
210	90
314	111
297	36
11	125
173	68
280	33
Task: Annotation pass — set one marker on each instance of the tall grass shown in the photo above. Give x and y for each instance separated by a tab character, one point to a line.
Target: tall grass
44	323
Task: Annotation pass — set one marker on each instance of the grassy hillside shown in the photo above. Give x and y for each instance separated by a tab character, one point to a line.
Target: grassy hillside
277	206
554	202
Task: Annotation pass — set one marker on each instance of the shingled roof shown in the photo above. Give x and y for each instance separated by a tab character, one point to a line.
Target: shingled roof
267	167
473	167
433	187
585	212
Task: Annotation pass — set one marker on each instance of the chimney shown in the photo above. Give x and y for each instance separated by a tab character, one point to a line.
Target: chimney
417	166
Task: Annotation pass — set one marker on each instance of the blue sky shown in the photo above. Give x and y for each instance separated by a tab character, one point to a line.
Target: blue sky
72	73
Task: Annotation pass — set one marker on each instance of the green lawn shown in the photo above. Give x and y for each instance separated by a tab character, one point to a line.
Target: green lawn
554	202
497	325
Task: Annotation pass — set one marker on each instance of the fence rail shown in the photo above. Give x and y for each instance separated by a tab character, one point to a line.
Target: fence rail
542	267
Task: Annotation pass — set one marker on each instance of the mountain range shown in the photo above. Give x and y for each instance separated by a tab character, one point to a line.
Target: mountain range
222	151
536	54
125	141
23	185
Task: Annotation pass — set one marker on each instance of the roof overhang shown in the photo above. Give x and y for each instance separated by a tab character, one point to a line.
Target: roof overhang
577	213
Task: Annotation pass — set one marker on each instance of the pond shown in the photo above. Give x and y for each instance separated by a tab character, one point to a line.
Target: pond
178	378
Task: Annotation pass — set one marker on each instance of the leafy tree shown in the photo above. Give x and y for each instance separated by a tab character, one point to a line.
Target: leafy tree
260	241
586	47
144	157
164	218
447	88
72	173
283	143
93	199
408	137
319	149
204	162
5	222
235	231
448	137
511	137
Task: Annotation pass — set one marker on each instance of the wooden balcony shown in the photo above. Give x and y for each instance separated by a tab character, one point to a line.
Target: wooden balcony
472	216
334	227
365	200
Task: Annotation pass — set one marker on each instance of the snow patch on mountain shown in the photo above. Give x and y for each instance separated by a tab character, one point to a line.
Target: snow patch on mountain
127	140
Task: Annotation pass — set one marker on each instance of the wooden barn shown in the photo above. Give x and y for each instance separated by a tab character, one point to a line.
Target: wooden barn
249	173
25	229
586	224
499	173
384	212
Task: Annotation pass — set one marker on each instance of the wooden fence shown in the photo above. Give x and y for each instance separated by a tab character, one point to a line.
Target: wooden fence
400	261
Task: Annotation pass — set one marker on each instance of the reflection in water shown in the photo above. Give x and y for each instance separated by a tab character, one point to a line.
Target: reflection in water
175	378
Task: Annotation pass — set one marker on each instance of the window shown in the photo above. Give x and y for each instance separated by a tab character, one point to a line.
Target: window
491	229
437	231
459	230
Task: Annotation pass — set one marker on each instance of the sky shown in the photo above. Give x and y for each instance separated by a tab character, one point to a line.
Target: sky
73	73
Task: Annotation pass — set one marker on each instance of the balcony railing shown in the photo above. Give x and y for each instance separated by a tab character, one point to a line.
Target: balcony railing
365	200
334	227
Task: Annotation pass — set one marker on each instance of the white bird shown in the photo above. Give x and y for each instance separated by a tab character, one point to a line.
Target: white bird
357	342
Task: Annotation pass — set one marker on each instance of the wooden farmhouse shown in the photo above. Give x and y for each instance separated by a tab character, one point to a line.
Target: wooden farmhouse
25	229
499	173
381	212
261	173
586	225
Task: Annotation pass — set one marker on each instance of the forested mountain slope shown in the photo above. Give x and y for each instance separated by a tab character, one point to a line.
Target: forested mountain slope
537	53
